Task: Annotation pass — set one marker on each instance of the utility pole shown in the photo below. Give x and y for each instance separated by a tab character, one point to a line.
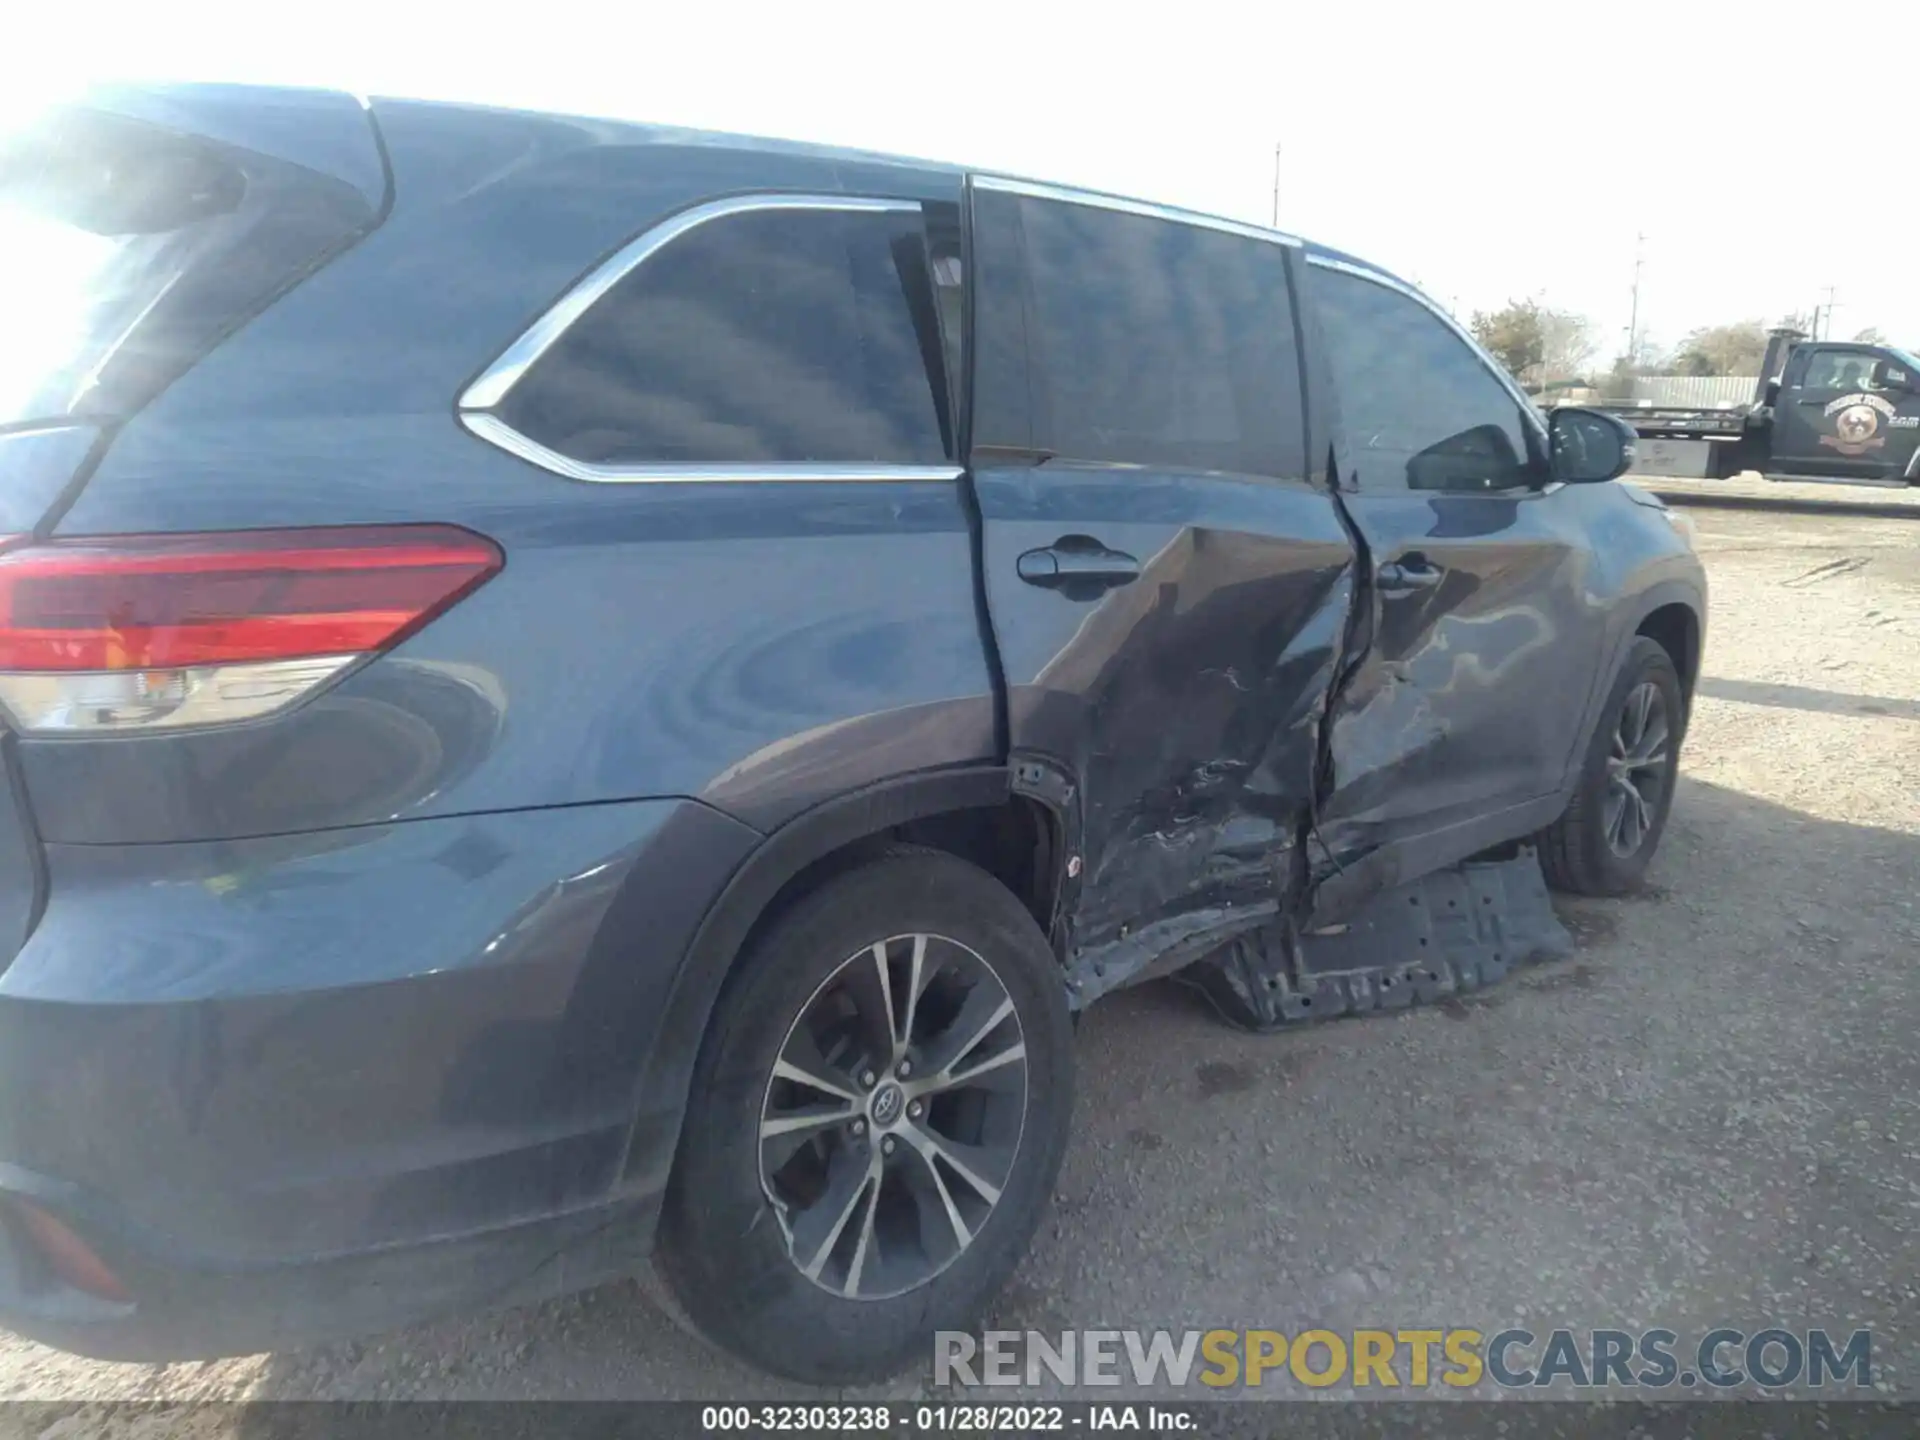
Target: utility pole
1824	313
1633	324
1276	187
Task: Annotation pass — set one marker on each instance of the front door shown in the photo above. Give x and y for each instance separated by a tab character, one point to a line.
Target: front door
1168	582
1479	626
1832	420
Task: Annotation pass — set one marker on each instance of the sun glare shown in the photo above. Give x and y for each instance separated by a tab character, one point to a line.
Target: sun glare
46	273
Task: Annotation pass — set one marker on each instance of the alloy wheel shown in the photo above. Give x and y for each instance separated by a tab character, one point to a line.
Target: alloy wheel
1638	766
893	1116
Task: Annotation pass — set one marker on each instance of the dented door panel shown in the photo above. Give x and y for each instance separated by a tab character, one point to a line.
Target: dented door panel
1485	600
1468	696
1188	703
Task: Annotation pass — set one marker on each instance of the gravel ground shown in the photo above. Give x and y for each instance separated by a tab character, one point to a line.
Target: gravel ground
1707	1116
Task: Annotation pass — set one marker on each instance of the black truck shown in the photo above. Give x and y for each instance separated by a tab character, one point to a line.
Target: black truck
1828	411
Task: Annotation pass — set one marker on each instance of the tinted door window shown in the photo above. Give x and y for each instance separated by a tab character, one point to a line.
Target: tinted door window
1422	411
1002	392
774	335
1159	343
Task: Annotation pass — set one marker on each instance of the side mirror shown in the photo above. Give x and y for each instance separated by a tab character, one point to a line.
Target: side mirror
1590	445
1889	376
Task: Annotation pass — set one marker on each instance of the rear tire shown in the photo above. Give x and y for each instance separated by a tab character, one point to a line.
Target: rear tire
1606	839
828	1250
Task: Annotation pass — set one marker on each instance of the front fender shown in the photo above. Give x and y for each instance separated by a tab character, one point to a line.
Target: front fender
1655	592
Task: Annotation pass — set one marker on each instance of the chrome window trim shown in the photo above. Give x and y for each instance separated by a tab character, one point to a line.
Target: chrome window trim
499	378
496	382
1035	190
1529	414
495	431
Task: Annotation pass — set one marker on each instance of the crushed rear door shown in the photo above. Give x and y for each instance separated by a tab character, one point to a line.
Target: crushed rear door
1168	576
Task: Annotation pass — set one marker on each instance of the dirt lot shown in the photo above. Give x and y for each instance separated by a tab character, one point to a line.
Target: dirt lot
1710	1115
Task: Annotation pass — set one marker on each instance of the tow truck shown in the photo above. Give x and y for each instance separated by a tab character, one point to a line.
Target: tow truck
1829	411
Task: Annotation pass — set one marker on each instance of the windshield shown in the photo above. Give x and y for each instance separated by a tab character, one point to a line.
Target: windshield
131	249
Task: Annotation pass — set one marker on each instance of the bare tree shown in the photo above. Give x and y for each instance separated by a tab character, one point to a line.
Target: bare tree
1872	335
1617	383
1735	349
1569	344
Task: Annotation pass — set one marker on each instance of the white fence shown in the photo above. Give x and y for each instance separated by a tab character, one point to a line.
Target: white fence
1696	392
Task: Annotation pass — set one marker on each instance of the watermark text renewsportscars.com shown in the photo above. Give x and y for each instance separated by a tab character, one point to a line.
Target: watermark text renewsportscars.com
1772	1357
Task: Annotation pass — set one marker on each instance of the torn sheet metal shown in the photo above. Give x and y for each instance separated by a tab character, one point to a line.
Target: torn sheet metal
1202	788
1447	933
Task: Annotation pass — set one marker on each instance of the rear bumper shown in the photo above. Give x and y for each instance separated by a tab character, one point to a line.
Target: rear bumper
312	1085
184	1313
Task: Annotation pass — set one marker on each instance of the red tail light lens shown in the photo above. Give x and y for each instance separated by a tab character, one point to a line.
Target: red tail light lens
68	1256
149	602
171	630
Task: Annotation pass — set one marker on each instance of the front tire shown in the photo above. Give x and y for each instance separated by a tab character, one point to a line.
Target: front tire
1606	839
876	1122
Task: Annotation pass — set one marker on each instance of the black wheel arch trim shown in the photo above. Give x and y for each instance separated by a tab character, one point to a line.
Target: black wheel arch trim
661	1099
1659	597
1654	597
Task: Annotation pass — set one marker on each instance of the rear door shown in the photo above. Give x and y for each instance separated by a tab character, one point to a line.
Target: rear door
1166	574
1479	632
1831	420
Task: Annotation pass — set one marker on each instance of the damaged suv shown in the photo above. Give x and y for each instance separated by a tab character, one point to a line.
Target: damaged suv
581	696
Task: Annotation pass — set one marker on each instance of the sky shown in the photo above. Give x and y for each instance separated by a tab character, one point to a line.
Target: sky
1487	150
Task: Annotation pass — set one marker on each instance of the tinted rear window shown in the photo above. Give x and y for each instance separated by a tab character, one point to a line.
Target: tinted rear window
1160	343
773	335
131	250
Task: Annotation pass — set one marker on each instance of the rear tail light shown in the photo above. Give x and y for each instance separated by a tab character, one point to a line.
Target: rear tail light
147	632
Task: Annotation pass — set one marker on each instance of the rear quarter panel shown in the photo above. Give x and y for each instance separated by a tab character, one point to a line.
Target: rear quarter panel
761	646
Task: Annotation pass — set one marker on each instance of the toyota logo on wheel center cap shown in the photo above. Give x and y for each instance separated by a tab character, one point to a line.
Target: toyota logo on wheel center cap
887	1103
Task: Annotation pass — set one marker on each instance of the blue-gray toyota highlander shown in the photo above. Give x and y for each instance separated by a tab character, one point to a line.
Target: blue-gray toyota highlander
582	696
